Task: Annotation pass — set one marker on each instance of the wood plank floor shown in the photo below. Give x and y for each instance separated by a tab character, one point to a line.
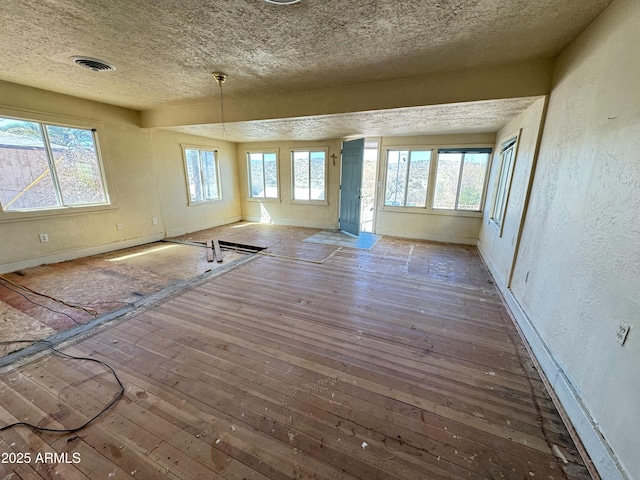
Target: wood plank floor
394	363
100	283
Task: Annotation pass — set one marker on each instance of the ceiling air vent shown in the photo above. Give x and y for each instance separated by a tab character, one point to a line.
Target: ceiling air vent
93	64
282	2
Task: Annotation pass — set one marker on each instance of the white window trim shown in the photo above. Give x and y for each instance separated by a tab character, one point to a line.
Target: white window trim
485	180
66	122
386	171
277	199
193	203
294	201
499	226
428	209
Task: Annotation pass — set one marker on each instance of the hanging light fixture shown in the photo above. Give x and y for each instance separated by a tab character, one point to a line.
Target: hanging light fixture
220	78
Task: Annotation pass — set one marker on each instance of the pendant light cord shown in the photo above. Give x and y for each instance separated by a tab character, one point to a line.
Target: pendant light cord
224	128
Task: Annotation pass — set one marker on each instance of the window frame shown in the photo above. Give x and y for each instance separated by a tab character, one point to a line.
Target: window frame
428	209
263	151
464	151
216	163
310	150
428	193
503	183
45	121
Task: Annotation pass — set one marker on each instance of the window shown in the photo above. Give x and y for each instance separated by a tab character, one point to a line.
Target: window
202	175
263	174
407	178
48	166
507	156
309	174
460	179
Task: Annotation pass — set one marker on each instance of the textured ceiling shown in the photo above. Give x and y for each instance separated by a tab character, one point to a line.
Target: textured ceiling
469	117
165	50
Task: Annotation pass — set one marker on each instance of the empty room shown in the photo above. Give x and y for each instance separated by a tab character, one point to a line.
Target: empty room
305	239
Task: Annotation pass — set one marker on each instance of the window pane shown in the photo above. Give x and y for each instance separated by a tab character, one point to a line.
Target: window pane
317	175
396	175
256	176
472	184
301	187
30	179
447	180
271	175
418	180
25	176
503	186
193	174
77	166
209	175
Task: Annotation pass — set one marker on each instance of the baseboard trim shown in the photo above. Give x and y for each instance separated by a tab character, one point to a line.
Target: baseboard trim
599	458
202	226
291	223
108	247
79	253
430	237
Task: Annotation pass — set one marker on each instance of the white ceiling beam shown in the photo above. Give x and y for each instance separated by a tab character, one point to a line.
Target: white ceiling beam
486	83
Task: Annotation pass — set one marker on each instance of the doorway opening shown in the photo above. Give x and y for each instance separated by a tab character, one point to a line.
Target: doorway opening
368	193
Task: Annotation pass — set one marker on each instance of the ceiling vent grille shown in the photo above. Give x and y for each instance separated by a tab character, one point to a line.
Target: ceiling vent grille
93	64
282	2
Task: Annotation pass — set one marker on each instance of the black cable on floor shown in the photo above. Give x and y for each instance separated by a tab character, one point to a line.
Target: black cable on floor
39	304
90	311
68	430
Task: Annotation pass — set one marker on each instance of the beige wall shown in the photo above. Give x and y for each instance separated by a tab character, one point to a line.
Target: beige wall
499	245
145	179
171	184
420	223
577	272
284	211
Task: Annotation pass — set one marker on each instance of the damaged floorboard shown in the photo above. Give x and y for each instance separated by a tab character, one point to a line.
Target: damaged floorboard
395	363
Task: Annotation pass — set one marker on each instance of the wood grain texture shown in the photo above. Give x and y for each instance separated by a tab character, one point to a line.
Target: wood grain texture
209	248
217	251
394	363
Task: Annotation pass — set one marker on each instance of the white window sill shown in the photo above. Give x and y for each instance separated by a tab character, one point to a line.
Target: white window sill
20	215
263	200
495	226
205	202
432	211
318	203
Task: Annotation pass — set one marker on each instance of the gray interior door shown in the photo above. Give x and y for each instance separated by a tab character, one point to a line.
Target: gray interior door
350	185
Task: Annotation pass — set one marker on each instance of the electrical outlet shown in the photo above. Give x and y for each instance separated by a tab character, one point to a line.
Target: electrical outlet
622	332
44	237
154	220
119	226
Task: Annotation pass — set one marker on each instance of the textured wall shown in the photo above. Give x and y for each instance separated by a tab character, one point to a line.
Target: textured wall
421	223
580	241
500	249
179	216
440	227
283	211
145	179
